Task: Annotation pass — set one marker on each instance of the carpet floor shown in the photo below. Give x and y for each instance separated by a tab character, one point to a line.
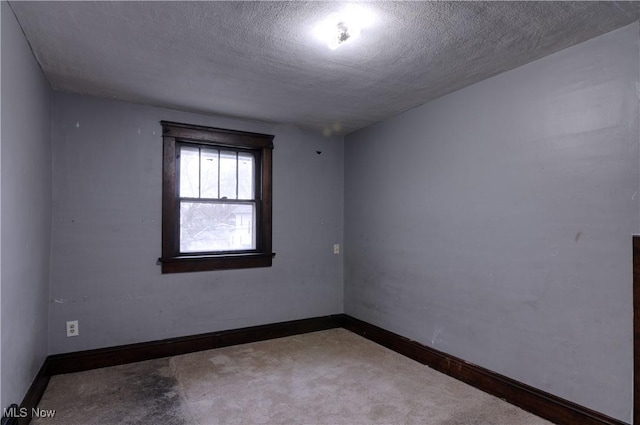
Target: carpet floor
327	377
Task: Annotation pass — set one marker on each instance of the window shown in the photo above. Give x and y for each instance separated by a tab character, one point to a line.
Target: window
216	199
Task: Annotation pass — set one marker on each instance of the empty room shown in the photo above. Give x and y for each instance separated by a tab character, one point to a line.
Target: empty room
320	212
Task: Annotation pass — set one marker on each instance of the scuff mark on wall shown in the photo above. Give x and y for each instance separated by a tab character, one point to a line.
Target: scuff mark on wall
436	335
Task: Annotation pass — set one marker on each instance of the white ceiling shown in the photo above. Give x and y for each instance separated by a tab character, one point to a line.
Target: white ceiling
260	60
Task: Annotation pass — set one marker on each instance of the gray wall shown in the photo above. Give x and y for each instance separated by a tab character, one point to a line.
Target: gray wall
26	211
107	175
495	223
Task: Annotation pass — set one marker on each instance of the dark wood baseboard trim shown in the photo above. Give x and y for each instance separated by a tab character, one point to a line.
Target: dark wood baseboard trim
112	356
636	329
35	392
538	402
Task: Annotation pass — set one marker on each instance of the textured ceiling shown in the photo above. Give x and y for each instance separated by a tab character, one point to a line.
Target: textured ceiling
260	60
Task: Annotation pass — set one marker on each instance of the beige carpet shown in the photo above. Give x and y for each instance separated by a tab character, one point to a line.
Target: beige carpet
328	377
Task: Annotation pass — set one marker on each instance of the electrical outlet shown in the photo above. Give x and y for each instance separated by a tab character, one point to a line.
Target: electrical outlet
336	248
72	328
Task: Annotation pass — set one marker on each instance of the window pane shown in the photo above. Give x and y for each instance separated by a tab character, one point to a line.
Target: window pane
189	172
217	227
209	177
245	176
228	174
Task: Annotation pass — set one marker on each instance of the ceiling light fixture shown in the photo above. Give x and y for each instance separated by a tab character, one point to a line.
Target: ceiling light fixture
339	28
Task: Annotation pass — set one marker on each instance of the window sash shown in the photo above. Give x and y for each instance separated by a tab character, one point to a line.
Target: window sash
221	231
253	182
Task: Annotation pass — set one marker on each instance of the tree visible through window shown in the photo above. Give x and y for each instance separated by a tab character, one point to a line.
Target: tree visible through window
216	199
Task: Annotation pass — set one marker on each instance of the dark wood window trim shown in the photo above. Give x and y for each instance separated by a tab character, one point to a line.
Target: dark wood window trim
172	260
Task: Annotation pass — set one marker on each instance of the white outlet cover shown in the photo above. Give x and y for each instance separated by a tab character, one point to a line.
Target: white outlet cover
72	328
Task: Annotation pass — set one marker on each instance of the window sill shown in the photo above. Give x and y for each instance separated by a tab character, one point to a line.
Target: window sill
201	263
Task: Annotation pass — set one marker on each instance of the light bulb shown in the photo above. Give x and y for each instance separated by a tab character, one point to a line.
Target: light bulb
339	28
